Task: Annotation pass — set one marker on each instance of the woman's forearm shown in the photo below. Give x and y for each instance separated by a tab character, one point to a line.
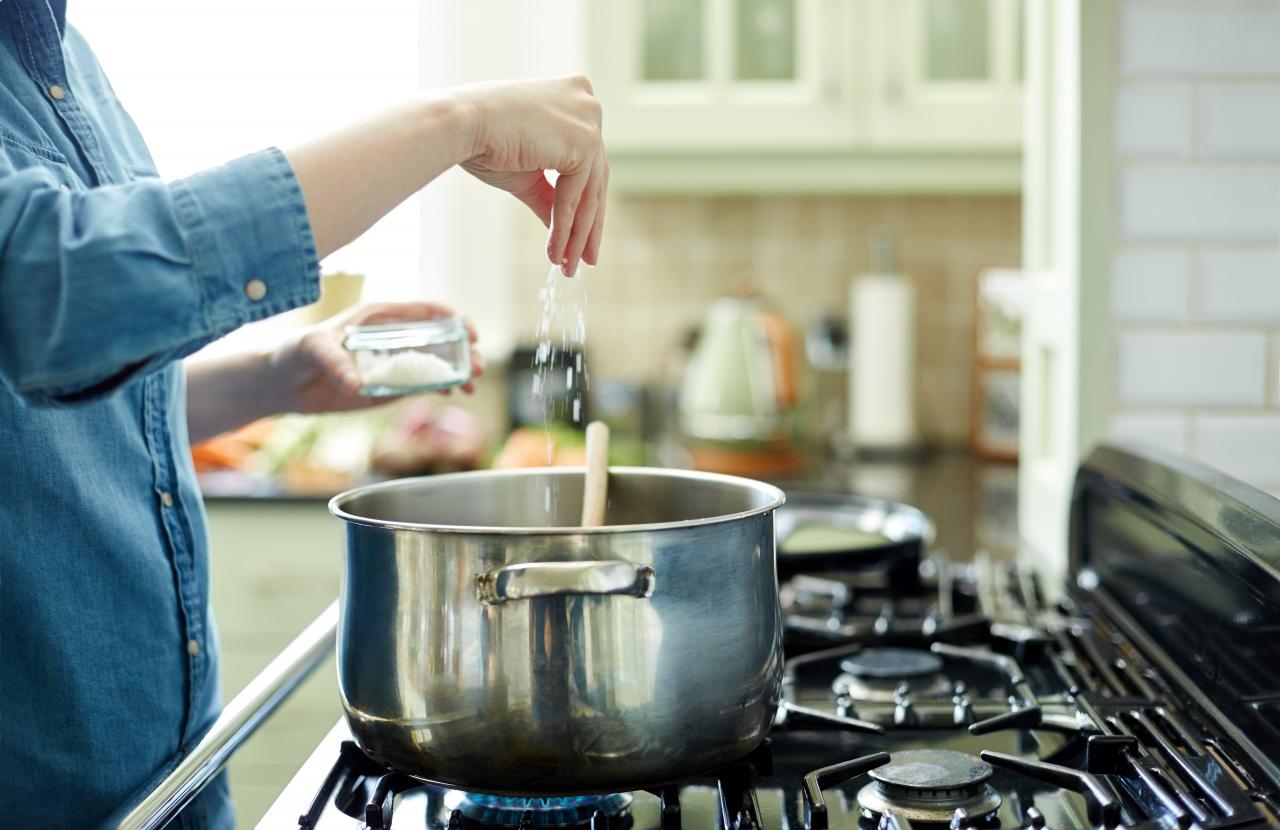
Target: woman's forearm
226	392
352	177
349	179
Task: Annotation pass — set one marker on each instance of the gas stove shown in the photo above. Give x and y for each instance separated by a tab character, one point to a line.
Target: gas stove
1147	694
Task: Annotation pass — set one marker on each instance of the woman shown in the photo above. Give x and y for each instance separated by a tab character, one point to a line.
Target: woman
109	277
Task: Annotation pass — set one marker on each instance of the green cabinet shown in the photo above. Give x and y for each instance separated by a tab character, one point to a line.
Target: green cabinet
809	95
275	566
947	74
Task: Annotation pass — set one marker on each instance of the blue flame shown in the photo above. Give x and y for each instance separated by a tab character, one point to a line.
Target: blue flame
547	811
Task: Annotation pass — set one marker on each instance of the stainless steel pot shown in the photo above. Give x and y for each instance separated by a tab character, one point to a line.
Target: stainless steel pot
489	644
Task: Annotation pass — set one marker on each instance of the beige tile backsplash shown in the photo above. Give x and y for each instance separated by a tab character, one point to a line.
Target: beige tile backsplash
665	258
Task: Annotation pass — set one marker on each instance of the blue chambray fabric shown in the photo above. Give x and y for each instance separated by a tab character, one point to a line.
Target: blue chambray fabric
108	276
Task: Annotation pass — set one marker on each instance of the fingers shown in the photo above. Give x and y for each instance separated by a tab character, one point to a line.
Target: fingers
564	213
540	126
584	221
477	365
592	253
335	361
538	195
415	310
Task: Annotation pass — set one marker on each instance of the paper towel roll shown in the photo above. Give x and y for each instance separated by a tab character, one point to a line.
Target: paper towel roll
882	382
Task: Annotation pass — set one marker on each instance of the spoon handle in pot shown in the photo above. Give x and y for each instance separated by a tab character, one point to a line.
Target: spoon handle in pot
595	489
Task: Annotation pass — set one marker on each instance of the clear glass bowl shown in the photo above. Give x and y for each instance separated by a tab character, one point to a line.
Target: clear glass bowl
409	356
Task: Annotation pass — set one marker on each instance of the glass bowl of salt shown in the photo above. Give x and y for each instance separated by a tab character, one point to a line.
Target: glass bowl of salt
410	356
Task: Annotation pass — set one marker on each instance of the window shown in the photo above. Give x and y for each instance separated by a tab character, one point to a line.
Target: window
209	80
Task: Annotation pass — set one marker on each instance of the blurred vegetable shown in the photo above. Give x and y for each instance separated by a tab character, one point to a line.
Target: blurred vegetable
323	454
292	438
557	445
233	450
428	438
565	446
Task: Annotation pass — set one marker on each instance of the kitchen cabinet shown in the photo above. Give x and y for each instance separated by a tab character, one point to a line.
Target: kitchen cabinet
946	73
678	75
809	95
275	565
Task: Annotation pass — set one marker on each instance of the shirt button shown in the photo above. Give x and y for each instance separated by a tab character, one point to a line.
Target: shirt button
255	289
193	648
57	93
166	498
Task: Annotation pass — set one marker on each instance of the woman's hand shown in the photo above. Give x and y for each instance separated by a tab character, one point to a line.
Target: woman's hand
315	373
310	372
507	134
524	128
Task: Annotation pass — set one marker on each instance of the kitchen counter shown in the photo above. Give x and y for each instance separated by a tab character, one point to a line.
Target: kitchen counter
972	502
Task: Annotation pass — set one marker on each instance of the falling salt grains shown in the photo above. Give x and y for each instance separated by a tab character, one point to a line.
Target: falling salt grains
561	332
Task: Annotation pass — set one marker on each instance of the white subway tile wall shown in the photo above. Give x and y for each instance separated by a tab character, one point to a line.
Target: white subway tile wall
1151	285
1245	445
1200	202
1196	269
1241	119
1239	285
1163	430
1153	118
1181	38
1198	368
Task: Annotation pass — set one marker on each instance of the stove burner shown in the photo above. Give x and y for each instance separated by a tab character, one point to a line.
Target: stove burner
875	674
547	811
929	785
885	663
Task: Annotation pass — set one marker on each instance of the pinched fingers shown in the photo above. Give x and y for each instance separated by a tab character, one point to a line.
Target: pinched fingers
585	220
591	255
565	212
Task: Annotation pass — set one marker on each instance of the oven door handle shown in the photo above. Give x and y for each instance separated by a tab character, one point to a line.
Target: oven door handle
239	719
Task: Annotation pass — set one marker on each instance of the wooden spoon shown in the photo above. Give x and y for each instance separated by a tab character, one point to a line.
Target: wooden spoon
595	490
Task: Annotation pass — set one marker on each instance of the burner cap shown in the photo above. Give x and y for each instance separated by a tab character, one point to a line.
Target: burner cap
932	769
929	785
546	811
884	663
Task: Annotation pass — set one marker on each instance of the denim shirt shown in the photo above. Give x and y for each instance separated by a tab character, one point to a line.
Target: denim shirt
108	277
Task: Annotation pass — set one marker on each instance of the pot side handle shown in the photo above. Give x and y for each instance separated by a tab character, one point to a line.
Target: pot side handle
549	579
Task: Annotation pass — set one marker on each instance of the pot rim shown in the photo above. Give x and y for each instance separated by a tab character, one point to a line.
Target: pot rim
774	494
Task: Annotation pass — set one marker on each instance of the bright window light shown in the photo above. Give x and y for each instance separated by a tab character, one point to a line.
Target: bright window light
210	80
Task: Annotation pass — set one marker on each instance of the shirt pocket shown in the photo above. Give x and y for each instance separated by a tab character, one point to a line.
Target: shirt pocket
22	154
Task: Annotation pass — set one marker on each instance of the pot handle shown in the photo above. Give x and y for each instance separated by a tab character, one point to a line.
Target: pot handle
549	579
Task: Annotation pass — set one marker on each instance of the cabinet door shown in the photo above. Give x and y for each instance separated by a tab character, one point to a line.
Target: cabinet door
947	74
723	74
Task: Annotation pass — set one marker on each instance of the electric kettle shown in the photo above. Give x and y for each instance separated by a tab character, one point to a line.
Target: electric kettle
741	390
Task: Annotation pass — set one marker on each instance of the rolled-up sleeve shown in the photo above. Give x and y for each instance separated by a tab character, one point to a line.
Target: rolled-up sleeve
97	286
